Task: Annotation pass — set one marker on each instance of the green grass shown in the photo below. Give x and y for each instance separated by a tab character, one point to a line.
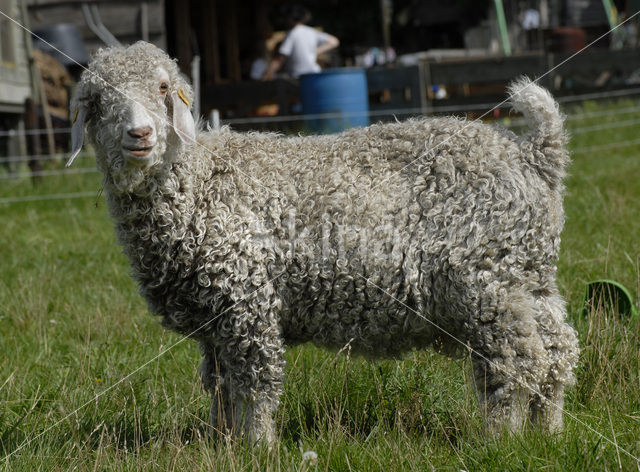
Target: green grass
72	326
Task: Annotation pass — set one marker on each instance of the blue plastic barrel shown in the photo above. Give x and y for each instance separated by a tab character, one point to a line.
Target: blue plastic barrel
341	94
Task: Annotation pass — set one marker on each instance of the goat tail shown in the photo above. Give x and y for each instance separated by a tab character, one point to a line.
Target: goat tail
548	137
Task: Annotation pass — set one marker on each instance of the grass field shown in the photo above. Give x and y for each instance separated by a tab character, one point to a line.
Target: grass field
73	328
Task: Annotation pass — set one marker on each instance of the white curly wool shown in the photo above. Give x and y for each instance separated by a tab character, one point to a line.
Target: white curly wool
374	237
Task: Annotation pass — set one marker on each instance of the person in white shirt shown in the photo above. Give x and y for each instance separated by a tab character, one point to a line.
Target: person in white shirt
300	49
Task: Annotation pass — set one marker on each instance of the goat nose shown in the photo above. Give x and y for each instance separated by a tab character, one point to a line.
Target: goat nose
140	133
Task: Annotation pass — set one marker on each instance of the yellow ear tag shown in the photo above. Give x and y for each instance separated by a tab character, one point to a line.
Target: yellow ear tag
75	117
183	98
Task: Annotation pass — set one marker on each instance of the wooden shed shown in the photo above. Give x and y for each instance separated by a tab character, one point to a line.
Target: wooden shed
15	75
98	20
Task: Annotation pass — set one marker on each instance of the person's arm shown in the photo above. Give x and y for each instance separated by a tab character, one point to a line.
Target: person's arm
274	66
330	42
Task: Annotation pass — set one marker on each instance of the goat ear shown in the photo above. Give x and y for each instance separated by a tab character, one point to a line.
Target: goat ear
182	119
77	132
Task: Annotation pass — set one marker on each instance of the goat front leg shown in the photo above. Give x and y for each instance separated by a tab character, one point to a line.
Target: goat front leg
243	370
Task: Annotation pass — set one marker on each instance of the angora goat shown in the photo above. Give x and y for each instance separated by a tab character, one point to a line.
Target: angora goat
431	232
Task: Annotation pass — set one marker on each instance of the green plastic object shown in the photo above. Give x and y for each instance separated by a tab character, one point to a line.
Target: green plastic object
608	294
502	27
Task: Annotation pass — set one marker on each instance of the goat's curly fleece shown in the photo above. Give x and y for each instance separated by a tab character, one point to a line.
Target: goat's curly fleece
260	240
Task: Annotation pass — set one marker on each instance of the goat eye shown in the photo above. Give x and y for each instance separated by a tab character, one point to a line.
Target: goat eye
164	87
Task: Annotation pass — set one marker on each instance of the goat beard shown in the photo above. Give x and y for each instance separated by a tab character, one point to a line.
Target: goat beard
126	179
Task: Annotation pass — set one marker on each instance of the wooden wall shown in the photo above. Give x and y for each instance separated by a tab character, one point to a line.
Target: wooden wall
122	18
15	79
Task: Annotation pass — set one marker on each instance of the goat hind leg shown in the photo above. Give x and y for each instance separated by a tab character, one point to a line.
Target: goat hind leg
561	346
509	359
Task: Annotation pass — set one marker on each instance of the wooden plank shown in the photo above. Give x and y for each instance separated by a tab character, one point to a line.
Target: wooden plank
179	23
122	19
596	61
75	3
399	86
209	41
487	70
250	94
14	68
231	41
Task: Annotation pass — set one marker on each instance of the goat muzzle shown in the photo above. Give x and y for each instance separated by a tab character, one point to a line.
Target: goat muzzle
141	133
142	142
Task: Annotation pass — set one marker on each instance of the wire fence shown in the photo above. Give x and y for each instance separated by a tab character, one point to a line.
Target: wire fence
580	121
